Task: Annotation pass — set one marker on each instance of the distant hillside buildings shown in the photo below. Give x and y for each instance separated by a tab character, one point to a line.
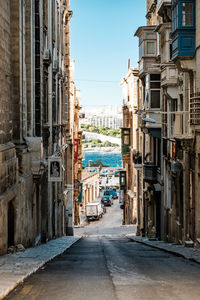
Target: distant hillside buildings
111	118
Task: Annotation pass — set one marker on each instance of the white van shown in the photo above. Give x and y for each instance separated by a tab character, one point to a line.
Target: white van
94	211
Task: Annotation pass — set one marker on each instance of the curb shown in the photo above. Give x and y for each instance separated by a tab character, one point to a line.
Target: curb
37	268
163	249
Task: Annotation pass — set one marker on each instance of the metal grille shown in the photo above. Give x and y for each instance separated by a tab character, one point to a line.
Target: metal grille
195	108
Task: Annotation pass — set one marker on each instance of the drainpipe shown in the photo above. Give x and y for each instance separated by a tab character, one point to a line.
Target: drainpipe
143	199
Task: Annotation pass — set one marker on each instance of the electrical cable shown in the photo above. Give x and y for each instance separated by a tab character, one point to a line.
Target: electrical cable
98	81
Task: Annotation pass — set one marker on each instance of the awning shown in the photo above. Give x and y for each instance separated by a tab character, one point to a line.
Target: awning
172	93
155	132
130	194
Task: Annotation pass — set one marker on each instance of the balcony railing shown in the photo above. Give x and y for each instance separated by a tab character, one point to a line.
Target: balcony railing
195	108
150	172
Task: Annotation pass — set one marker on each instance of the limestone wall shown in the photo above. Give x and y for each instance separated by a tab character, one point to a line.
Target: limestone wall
5	74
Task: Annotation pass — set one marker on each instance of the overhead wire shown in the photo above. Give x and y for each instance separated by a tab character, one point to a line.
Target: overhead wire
98	81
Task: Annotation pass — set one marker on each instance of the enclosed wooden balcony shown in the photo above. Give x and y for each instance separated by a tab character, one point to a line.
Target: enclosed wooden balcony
147	49
125	136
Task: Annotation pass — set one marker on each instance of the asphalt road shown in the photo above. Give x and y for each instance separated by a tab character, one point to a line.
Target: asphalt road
106	265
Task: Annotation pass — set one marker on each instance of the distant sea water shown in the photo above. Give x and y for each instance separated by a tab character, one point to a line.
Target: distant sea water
109	159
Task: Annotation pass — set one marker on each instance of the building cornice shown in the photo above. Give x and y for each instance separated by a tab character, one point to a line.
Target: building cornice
140	29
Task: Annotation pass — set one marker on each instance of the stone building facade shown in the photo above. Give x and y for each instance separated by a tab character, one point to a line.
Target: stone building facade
90	192
169	120
130	147
34	118
77	137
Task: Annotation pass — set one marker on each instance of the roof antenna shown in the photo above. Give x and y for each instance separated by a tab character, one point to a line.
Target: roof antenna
129	63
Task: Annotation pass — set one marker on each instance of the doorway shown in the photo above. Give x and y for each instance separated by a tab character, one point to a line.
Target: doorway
192	206
11	223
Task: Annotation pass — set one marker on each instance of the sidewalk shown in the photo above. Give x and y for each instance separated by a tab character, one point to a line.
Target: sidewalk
192	254
14	268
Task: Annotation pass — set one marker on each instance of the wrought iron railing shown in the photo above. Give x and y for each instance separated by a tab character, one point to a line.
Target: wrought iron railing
150	172
195	108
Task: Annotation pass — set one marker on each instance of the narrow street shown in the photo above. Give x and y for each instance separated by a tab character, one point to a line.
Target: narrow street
105	264
99	100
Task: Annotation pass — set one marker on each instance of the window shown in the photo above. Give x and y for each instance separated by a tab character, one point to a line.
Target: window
45	97
155	81
126	140
175	17
155	90
187	19
155	77
155	99
151	49
141	50
181	115
172	109
170	51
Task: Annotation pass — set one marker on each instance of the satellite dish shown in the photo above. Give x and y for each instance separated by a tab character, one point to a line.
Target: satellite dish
145	130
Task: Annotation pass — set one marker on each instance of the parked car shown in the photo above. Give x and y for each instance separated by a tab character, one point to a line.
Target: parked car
112	193
107	200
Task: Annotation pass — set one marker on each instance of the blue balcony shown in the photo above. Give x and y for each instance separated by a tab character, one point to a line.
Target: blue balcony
183	29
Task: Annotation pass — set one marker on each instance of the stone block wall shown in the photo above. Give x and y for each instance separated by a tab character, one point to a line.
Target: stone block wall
29	205
8	167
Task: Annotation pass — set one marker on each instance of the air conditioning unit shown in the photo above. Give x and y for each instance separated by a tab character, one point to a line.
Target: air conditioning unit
47	56
63	73
178	125
35	146
55	65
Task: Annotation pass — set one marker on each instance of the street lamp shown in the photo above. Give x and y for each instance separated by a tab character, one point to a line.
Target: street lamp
149	120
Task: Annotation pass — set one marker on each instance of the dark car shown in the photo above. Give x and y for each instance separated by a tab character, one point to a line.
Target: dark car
107	200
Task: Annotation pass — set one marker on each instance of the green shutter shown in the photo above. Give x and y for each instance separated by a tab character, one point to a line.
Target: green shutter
126	140
80	197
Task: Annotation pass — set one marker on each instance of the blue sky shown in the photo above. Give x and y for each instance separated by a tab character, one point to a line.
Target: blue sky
102	40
